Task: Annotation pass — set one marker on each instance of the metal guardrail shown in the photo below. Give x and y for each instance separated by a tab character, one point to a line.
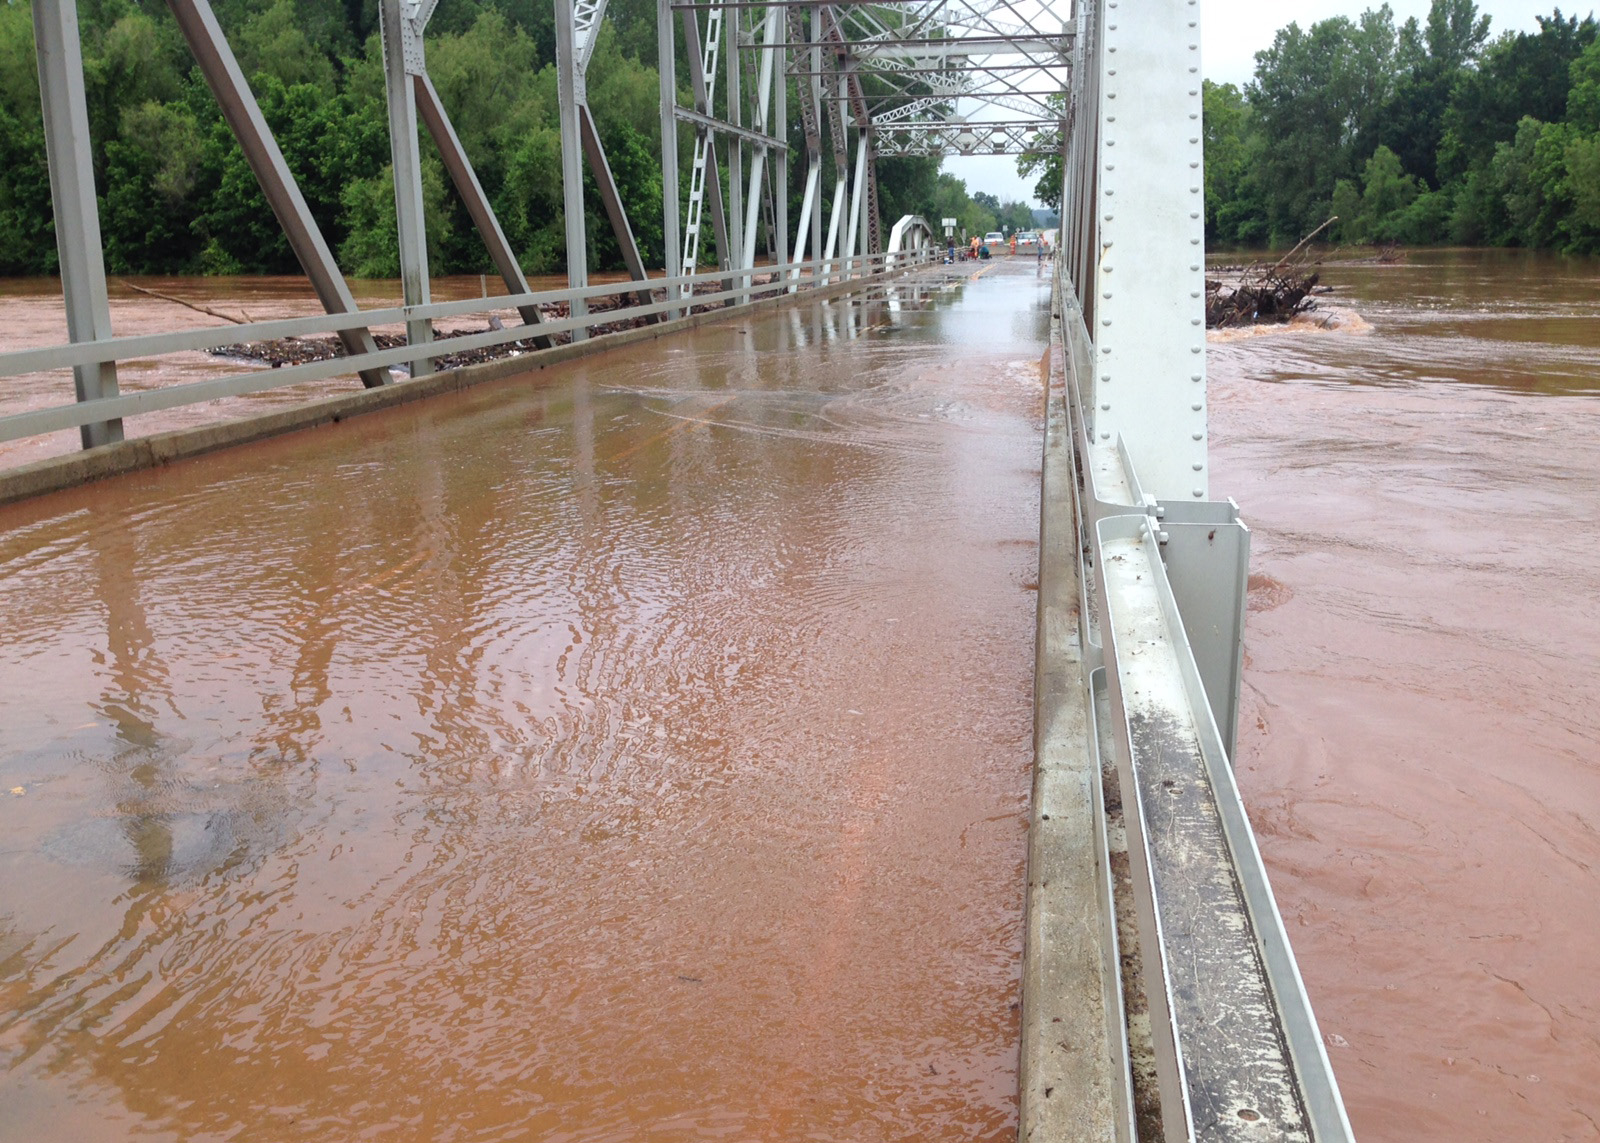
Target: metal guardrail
1238	1055
735	288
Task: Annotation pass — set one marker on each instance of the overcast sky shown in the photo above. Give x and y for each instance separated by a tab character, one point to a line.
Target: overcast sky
1232	31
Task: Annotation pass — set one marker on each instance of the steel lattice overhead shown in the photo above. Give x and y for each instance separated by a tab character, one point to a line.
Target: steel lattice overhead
958	78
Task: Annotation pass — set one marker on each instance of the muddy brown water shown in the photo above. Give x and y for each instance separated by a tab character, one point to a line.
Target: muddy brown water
1420	738
640	750
496	772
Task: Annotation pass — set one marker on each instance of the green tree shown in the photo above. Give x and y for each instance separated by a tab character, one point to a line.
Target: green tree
1520	75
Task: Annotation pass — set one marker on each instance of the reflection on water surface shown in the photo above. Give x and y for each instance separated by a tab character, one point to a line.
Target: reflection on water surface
641	746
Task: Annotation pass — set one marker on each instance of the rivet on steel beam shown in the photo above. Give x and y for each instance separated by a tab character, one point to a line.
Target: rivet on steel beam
1106	408
1107	218
1197	436
1193	165
1194	242
1194	293
1199	492
1197	407
1194	265
1105	436
1105	321
1194	214
1197	376
1194	321
1197	466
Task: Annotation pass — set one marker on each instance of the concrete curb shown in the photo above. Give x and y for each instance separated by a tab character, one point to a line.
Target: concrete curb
1073	1081
56	473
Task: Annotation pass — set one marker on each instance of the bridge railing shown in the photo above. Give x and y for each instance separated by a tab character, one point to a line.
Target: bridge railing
684	294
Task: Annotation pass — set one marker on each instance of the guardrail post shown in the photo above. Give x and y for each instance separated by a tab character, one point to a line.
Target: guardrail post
77	214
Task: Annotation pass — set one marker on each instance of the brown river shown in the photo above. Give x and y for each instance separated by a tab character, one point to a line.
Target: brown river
641	750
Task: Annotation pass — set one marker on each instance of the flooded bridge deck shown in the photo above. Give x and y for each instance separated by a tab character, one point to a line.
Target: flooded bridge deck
637	750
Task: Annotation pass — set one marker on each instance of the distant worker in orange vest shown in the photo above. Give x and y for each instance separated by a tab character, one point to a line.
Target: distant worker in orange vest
1013	245
974	247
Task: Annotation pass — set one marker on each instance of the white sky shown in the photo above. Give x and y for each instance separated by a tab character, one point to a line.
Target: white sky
1232	31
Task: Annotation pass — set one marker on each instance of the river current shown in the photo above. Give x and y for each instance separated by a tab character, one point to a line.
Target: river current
1420	739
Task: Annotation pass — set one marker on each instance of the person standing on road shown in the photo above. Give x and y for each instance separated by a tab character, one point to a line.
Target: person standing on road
1013	245
974	247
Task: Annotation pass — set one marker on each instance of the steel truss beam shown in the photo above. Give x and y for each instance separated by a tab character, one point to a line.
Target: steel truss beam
77	213
200	29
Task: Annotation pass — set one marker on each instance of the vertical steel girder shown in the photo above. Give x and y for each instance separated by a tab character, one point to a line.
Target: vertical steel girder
77	213
733	103
402	58
1149	328
223	75
667	65
577	31
569	81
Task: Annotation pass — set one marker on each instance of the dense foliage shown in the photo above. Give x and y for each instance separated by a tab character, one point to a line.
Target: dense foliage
1427	133
176	195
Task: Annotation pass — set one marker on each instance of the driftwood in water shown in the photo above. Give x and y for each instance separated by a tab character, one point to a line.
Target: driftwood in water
279	352
1264	292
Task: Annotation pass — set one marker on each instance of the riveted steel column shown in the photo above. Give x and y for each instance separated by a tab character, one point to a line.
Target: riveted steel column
763	94
734	101
222	73
1149	327
569	93
853	244
77	214
671	219
402	58
814	68
780	119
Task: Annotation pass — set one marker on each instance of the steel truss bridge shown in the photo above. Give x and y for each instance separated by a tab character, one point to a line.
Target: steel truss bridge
1142	574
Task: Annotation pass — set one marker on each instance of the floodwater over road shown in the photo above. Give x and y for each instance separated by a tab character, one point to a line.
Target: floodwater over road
637	750
1420	738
